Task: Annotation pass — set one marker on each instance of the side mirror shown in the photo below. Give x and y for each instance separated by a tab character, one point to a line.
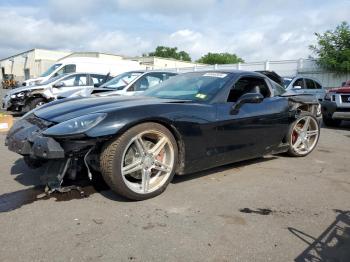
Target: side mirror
248	98
296	87
97	85
58	85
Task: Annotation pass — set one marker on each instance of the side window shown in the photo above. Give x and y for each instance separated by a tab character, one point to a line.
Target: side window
248	85
299	82
75	80
81	80
66	69
146	82
68	81
317	85
309	84
97	79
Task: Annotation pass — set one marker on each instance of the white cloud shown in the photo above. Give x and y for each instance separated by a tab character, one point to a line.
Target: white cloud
253	30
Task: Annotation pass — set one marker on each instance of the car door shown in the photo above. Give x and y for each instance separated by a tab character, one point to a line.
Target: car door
255	129
298	85
71	86
310	87
319	90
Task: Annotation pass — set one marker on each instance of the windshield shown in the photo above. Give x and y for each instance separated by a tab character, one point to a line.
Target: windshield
51	80
122	80
286	82
196	86
50	70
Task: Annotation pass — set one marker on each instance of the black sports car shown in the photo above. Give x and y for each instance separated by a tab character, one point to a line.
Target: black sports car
191	122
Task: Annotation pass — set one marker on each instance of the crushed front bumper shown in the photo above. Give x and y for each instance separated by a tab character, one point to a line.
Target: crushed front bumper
25	138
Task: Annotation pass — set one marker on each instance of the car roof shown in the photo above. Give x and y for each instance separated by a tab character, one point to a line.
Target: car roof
301	76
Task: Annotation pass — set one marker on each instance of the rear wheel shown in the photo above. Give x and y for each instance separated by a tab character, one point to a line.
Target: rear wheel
140	163
303	135
331	122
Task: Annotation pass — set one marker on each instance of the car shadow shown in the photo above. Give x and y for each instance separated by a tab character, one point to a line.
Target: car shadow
332	245
29	177
36	192
345	125
183	178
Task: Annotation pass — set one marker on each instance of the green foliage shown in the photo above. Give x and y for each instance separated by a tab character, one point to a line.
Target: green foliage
220	58
170	52
333	49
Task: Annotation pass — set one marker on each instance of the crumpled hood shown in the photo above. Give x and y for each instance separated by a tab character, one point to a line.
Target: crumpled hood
65	109
25	88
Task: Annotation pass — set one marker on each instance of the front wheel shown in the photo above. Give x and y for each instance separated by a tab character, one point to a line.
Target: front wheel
303	135
140	163
36	102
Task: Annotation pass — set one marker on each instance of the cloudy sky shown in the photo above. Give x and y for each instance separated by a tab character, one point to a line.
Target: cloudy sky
255	30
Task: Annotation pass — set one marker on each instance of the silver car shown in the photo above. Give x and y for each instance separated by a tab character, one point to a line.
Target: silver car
305	85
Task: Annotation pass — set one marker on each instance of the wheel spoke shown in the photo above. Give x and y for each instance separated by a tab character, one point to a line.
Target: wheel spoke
306	144
161	166
140	146
297	143
298	130
312	133
159	146
306	124
133	167
146	177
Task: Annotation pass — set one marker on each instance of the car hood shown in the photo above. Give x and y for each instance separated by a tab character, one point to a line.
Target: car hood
340	90
25	88
65	109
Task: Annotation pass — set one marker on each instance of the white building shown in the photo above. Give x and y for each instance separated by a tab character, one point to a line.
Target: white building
29	64
32	63
154	62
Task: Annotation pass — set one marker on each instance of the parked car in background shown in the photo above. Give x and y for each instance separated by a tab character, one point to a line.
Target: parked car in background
336	105
191	122
305	85
26	98
132	82
85	64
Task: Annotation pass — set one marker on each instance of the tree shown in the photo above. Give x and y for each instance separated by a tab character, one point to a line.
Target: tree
333	49
220	58
170	52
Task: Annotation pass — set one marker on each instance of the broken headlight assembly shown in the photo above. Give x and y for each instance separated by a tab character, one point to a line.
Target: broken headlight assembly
75	126
19	95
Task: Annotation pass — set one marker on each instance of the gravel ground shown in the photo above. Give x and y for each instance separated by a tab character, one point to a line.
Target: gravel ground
272	209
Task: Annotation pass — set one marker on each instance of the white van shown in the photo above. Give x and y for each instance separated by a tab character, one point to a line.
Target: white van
86	65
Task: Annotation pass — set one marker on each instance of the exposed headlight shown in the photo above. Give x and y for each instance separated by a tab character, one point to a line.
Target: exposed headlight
18	95
75	126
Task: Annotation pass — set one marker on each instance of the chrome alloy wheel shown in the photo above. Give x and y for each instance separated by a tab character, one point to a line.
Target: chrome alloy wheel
305	135
147	162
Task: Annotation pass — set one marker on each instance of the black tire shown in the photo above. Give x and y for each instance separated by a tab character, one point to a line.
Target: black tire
291	151
112	155
331	122
33	163
35	102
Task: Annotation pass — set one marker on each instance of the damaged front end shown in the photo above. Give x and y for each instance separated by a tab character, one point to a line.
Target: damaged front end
304	103
60	156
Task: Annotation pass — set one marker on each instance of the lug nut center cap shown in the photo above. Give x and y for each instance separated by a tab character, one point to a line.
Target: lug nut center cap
148	161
